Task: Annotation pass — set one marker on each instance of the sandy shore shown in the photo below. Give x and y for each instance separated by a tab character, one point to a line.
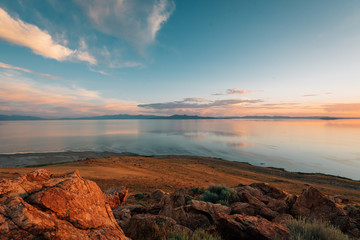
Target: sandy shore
35	159
172	172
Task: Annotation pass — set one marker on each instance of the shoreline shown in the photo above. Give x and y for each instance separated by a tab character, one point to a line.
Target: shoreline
171	172
16	160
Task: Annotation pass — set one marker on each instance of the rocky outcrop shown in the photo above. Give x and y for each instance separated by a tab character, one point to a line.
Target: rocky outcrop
44	206
39	205
314	205
245	227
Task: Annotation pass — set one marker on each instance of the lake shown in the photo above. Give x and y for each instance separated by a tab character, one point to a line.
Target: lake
330	147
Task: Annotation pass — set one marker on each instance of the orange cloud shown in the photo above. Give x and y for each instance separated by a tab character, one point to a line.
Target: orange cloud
343	107
23	96
8	66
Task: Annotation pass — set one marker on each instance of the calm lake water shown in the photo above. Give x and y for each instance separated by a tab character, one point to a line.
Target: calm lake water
331	147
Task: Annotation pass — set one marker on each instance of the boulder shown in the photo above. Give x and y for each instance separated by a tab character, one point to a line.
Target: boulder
39	205
245	227
269	190
157	195
251	205
282	219
198	214
313	205
116	196
152	227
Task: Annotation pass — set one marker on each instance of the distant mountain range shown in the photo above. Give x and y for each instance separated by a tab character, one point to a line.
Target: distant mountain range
126	116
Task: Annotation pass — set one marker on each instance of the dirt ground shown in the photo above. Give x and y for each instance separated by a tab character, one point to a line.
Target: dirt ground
144	174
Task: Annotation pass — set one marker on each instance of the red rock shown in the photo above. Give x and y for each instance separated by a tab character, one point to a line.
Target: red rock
269	190
245	227
313	205
116	196
282	219
152	227
38	205
157	195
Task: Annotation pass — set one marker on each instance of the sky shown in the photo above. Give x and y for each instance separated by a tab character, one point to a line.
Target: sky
207	57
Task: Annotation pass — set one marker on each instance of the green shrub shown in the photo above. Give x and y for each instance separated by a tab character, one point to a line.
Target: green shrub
198	190
302	229
189	199
141	203
199	234
139	196
220	194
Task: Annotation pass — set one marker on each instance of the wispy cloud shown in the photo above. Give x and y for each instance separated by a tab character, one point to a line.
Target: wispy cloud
233	91
310	95
99	71
39	41
343	108
194	103
8	66
135	21
126	64
19	95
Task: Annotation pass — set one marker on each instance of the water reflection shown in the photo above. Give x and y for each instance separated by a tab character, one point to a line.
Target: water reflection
297	145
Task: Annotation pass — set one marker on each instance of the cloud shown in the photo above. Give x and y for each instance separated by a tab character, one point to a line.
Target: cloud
8	66
127	64
135	21
19	95
343	107
39	41
99	71
310	95
195	104
233	91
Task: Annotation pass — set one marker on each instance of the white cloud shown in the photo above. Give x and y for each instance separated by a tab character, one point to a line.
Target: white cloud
135	21
8	66
39	41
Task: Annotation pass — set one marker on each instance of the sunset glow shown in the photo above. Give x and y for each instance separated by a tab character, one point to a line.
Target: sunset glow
165	57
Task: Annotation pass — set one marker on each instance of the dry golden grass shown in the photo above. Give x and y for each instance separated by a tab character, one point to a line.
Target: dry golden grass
144	174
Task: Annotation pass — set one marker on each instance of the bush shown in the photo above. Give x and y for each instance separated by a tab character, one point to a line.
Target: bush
301	229
220	194
199	234
139	196
141	203
198	190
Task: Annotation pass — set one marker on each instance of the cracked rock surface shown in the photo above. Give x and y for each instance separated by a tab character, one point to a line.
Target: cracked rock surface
39	205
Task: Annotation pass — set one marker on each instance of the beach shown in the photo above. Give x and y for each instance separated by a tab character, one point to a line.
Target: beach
147	173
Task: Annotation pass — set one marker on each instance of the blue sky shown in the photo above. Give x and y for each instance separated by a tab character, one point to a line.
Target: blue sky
215	58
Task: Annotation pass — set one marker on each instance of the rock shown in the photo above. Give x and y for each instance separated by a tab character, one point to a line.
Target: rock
169	202
282	219
245	227
279	206
209	209
313	205
116	196
152	227
253	206
198	214
248	198
269	190
268	213
157	195
252	191
39	205
243	208
354	214
122	216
